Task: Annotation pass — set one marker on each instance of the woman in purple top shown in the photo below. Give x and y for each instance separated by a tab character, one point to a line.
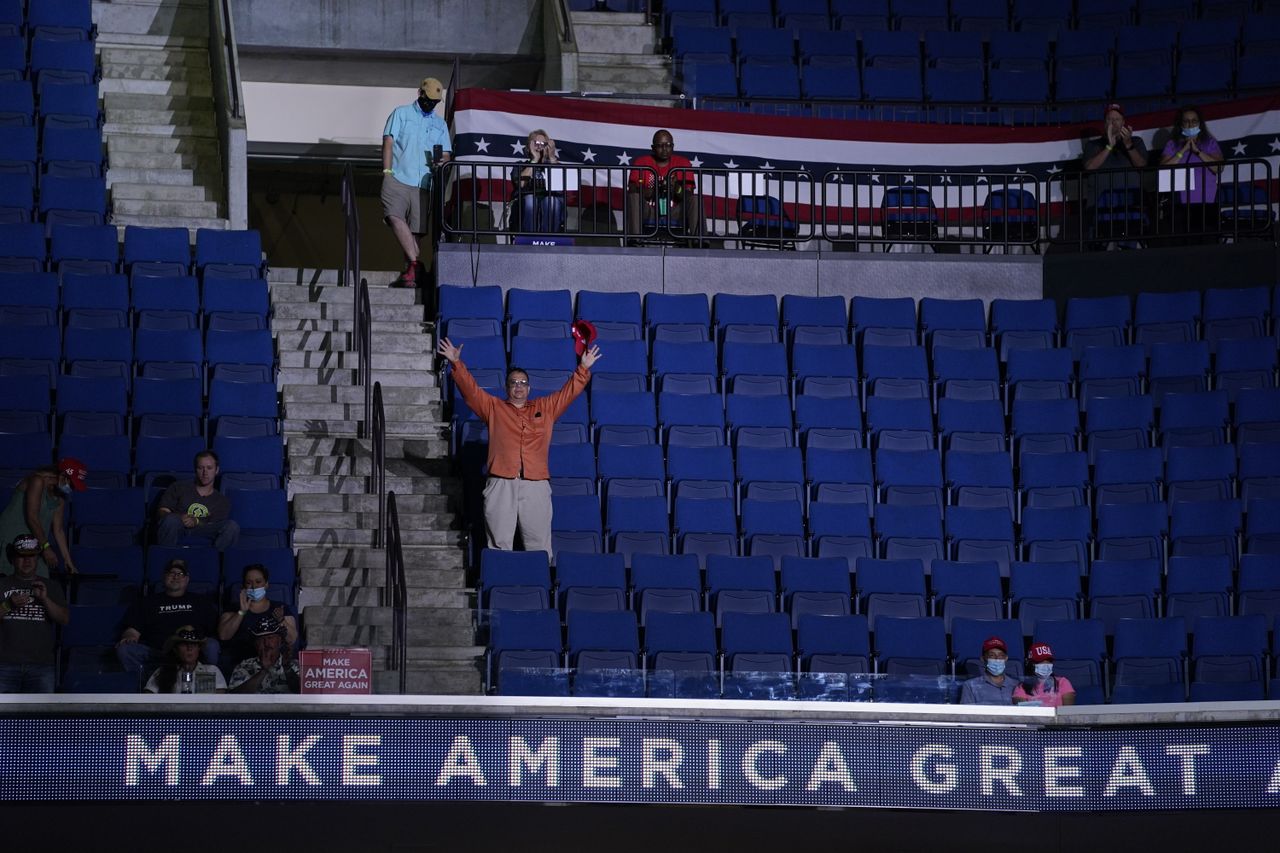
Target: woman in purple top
1191	142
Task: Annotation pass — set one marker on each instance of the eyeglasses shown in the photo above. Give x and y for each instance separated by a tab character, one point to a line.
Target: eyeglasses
518	382
176	571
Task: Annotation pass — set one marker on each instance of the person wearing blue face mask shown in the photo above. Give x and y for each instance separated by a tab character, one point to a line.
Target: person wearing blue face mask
236	627
1044	688
38	506
992	687
1191	142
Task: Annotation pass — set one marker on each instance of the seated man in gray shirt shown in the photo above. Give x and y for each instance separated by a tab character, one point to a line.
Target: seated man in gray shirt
194	509
992	687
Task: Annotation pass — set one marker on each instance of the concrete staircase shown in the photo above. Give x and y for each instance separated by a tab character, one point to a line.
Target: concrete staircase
164	165
343	599
617	52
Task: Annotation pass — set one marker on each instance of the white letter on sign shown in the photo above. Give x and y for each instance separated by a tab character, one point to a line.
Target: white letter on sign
1128	772
831	767
1002	764
352	760
752	756
461	761
593	762
660	756
1056	773
546	758
136	752
1188	752
288	760
227	760
944	777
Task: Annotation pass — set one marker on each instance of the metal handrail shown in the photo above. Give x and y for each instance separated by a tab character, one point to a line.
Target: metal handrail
364	352
378	474
228	44
396	587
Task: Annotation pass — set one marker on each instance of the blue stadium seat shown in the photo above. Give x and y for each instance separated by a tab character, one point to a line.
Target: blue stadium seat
1150	660
966	590
1044	591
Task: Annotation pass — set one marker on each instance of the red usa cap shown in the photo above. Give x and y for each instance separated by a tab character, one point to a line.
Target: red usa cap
1040	652
1113	106
994	643
76	472
584	334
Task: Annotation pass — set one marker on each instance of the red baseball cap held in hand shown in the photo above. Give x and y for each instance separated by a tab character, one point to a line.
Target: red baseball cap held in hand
584	334
76	472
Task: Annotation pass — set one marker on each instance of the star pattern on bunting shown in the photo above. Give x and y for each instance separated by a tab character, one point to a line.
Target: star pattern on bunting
517	149
624	159
696	162
588	156
1238	149
729	164
482	146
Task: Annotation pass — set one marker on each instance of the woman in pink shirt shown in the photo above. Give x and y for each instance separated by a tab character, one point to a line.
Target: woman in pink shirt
1190	142
1044	688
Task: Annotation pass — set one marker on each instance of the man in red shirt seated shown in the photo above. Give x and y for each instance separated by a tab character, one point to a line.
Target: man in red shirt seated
662	199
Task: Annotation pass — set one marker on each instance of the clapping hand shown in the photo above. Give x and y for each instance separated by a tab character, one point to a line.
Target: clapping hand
590	357
449	351
1125	136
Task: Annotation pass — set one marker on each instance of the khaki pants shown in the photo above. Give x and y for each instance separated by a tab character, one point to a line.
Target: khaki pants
523	502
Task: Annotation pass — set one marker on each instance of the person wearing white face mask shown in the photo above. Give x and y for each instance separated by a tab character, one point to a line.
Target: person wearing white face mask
1044	688
236	627
992	687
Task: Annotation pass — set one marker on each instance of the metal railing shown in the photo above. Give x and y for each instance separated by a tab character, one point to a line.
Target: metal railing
350	277
1167	205
229	112
396	589
378	468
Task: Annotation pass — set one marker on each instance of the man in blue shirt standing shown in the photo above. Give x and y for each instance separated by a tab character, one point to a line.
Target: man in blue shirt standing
408	140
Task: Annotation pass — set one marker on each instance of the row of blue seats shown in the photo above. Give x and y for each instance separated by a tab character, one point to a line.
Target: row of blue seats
118	575
835	423
145	251
83	395
118	518
981	16
255	453
1086	321
178	342
64	19
109	300
1151	660
70	105
1191	587
48	61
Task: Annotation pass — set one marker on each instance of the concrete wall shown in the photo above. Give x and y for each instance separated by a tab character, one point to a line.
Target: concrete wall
454	27
687	271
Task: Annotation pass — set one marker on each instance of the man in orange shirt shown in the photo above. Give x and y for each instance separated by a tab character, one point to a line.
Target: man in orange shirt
519	487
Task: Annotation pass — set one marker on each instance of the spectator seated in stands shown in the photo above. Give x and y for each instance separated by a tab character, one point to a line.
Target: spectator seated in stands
655	197
273	668
538	201
1043	687
182	671
38	506
31	608
152	620
236	627
194	512
1190	142
992	687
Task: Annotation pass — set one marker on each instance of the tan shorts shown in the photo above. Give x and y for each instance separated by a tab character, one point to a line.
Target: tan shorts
412	204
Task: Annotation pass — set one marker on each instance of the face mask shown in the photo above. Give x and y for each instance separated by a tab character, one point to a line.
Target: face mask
1191	132
1044	670
256	594
65	489
427	104
995	666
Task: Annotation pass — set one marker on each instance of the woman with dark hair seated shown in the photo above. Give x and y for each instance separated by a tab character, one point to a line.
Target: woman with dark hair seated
1190	141
236	627
182	671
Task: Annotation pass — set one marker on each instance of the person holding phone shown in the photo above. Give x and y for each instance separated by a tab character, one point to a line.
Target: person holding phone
535	206
409	139
30	609
273	669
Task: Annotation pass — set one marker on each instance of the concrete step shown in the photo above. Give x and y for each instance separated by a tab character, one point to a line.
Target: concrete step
122	142
152	102
390	378
344	309
452	578
114	126
170	177
163	192
344	558
166	207
155	160
155	55
415	521
407	429
338	484
378	327
360	465
326	536
332	596
424	460
314	277
451	682
369	503
289	292
146	41
343	340
202	119
191	222
624	74
611	32
155	72
355	411
423	621
391	396
179	88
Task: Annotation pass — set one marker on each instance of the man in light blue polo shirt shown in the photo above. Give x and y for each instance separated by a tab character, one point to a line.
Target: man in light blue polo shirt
408	140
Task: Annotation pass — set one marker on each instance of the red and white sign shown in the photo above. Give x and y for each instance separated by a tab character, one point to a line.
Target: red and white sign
336	671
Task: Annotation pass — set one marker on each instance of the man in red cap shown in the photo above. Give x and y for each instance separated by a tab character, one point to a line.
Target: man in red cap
518	491
992	687
1044	688
1118	147
38	506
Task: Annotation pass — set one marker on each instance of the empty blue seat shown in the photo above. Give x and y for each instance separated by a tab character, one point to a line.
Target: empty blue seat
683	644
967	590
1150	660
981	479
1228	656
230	252
594	582
1044	591
1057	534
909	646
